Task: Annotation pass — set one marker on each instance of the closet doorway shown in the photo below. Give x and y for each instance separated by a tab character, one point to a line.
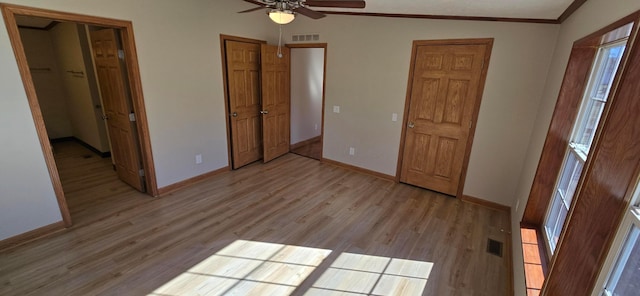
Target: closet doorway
257	90
122	100
274	99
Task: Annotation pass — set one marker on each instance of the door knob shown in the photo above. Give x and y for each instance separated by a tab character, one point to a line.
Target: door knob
264	112
235	114
411	124
105	117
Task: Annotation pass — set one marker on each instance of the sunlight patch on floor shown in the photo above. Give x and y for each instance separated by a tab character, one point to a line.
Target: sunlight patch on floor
248	268
259	268
356	274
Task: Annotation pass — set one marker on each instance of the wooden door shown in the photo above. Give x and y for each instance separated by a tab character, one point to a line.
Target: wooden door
243	78
117	108
276	112
444	96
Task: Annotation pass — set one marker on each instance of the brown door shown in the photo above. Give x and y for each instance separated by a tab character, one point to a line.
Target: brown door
445	92
117	108
243	76
276	112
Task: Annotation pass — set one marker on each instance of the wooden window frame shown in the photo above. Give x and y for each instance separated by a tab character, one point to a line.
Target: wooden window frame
609	174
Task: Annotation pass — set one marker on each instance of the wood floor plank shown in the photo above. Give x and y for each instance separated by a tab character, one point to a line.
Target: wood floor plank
126	243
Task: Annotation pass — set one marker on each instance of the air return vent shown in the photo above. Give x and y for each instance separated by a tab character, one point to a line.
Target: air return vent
494	247
305	37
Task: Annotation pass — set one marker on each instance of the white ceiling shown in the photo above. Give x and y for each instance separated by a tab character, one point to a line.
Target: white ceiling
522	9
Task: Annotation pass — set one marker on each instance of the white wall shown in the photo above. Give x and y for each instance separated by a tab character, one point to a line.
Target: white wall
367	72
179	55
307	76
85	121
593	15
48	84
27	200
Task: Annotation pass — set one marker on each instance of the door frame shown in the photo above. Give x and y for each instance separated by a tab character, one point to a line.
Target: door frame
476	109
324	84
225	83
9	12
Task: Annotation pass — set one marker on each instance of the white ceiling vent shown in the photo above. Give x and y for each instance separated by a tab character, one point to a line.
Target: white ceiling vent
305	37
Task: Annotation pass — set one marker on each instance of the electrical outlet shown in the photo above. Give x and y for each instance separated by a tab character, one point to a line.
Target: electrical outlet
352	151
198	158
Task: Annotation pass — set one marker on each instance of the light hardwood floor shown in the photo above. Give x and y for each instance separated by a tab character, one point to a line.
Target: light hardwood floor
292	226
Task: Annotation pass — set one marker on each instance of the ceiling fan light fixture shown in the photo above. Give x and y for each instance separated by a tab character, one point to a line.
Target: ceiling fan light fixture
281	17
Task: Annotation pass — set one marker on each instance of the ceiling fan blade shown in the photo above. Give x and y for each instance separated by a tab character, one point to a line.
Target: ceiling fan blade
336	3
252	9
309	13
255	2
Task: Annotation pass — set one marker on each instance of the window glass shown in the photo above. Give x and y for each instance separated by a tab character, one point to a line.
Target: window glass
625	279
562	200
593	104
609	60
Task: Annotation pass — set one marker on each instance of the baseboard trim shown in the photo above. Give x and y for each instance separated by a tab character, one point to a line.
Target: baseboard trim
63	139
358	169
185	183
303	143
29	236
486	203
83	143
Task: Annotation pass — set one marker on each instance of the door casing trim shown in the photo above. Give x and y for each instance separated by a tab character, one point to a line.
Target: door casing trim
9	12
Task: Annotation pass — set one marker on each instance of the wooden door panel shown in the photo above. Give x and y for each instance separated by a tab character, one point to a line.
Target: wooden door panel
115	98
442	102
454	106
243	130
445	157
269	134
427	89
418	162
243	68
275	101
282	82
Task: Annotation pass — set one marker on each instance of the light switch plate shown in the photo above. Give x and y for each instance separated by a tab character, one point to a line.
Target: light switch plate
394	117
336	109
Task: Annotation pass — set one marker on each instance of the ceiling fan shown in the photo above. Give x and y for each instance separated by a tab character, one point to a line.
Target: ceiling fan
283	11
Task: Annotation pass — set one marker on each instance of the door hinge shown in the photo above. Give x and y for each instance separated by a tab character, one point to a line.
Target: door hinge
141	172
132	116
121	54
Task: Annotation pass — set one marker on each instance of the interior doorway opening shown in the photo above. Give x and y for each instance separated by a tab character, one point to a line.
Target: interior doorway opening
70	100
308	64
257	98
272	108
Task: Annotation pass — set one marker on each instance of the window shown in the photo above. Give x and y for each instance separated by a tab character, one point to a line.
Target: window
622	276
584	130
